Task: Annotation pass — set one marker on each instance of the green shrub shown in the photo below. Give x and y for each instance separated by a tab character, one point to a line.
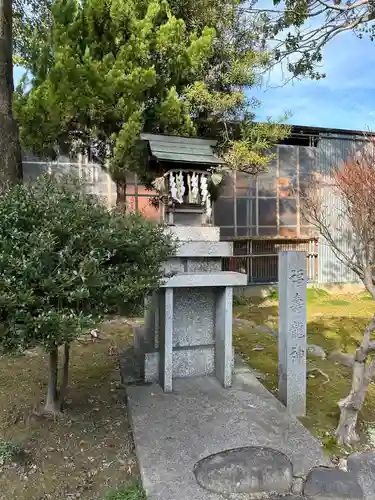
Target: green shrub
65	263
240	300
365	295
273	294
9	452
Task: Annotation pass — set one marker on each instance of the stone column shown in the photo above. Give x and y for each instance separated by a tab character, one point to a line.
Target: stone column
292	331
151	321
223	335
165	338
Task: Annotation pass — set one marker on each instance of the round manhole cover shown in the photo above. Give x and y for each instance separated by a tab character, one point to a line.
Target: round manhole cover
245	470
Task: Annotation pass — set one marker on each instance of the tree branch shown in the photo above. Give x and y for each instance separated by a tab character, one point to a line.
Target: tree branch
340	8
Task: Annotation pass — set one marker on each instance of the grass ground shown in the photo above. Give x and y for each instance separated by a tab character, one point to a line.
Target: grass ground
87	454
334	323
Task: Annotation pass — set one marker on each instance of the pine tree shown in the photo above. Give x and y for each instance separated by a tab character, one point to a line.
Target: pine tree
114	68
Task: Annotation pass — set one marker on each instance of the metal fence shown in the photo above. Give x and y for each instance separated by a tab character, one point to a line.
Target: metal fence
259	258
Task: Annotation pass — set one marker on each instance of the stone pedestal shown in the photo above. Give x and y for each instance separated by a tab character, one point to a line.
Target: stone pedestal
188	323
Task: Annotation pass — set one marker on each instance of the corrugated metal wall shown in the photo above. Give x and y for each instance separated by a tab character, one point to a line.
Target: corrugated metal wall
332	152
97	181
264	205
293	162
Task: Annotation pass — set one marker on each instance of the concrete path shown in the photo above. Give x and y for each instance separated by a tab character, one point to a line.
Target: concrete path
172	432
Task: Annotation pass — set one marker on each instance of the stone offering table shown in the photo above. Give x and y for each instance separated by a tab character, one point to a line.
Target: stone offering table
188	322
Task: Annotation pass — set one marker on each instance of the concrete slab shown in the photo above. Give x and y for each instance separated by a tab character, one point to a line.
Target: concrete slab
205	249
195	233
172	432
195	280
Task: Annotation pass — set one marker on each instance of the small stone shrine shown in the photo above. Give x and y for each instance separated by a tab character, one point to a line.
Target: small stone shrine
188	323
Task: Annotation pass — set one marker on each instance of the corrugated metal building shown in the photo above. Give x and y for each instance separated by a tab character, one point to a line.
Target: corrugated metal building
259	213
262	217
333	150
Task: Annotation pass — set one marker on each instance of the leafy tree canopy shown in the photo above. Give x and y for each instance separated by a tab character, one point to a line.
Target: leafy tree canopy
112	68
31	22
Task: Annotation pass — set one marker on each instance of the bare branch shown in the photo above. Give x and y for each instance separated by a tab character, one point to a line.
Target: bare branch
299	38
353	188
344	8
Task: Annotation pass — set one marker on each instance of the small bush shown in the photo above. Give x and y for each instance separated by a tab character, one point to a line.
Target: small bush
66	262
240	300
273	294
365	295
10	452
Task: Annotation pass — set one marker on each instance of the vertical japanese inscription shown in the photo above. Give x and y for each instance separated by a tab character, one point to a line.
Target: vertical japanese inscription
292	331
297	277
297	353
296	303
297	329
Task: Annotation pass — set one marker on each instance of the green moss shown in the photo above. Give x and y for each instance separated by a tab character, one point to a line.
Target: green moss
365	296
273	294
338	302
240	300
313	294
334	324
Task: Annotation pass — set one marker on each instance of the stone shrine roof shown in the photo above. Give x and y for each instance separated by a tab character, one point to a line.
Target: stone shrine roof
182	149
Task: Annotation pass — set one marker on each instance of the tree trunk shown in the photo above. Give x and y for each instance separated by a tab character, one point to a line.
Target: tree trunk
351	405
121	194
52	401
10	151
65	376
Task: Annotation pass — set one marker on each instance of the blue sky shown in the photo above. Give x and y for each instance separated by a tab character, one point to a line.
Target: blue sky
344	99
17	73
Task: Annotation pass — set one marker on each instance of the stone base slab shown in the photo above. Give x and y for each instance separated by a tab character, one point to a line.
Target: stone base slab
173	432
192	362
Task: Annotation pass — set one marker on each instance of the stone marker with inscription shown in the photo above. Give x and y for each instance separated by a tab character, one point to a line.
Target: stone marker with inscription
292	331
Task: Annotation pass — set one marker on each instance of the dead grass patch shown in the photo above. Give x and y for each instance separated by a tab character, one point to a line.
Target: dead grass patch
87	451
